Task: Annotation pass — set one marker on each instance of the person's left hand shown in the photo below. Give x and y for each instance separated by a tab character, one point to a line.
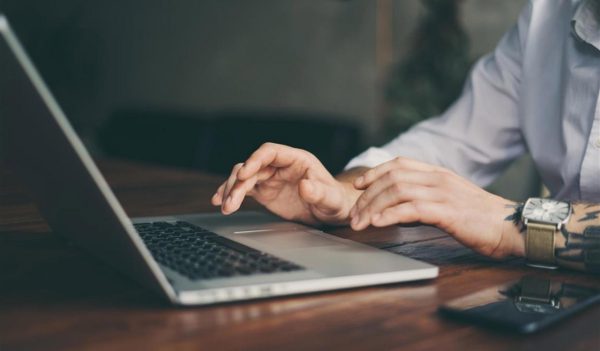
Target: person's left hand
405	191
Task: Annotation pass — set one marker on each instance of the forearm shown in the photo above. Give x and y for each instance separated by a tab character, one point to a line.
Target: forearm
577	244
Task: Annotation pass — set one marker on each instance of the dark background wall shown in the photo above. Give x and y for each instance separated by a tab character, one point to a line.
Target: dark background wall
314	56
211	54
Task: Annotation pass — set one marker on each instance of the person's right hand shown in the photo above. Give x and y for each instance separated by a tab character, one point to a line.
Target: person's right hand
291	183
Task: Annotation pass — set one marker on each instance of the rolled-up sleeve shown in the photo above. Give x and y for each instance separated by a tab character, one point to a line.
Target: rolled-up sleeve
479	135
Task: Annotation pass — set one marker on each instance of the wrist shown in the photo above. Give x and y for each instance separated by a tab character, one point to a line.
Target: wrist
517	241
513	230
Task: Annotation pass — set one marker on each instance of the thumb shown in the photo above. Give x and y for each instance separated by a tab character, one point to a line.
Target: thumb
324	197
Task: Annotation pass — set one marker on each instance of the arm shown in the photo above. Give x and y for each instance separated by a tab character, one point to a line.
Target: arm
480	134
577	246
405	190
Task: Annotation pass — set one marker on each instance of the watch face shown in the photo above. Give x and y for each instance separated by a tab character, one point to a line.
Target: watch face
546	210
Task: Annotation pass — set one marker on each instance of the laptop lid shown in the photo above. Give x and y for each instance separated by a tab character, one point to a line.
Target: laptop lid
69	190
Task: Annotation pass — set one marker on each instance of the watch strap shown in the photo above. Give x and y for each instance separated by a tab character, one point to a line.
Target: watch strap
539	244
535	290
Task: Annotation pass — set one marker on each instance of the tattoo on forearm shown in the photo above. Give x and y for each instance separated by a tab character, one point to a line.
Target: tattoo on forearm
582	248
564	232
590	215
515	217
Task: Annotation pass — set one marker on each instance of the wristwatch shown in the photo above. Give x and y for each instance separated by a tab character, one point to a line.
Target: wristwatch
543	218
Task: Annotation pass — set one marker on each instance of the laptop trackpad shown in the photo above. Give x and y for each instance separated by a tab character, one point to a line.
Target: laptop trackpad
289	240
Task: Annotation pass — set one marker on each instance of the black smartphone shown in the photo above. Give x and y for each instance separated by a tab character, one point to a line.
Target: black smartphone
525	306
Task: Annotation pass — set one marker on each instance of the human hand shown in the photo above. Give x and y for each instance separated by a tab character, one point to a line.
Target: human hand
405	190
289	182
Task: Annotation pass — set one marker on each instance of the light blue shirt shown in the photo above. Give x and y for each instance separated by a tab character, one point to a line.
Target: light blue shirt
538	92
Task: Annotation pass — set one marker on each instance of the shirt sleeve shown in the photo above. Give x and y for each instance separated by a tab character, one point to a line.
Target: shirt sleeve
479	135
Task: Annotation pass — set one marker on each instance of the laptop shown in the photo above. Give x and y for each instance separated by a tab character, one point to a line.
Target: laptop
189	259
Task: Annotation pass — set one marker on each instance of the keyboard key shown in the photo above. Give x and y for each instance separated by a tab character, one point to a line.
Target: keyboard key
197	253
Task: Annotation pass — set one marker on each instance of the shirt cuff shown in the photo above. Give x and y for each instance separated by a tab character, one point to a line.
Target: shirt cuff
371	158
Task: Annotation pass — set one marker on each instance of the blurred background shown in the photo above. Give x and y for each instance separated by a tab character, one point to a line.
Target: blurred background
200	84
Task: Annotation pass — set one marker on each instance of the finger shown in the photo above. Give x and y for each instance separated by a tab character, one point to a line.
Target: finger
398	163
390	178
394	195
270	154
217	198
244	188
230	183
323	197
237	195
408	212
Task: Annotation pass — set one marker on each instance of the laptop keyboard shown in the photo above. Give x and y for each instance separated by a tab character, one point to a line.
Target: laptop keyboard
198	253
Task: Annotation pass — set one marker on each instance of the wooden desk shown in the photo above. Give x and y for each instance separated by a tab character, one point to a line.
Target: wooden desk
55	297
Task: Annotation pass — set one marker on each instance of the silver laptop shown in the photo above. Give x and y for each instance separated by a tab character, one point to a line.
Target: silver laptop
189	259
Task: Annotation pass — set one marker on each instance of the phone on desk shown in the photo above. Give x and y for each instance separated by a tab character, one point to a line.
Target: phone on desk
524	306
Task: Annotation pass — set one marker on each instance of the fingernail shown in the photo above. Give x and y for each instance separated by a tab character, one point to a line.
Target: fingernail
352	212
360	221
359	180
376	217
354	221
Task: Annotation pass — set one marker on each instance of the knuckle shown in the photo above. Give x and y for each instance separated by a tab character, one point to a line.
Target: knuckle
399	160
397	189
266	148
443	178
395	175
419	206
306	155
388	176
235	167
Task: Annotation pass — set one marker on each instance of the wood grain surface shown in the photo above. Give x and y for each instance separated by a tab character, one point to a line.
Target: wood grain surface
53	296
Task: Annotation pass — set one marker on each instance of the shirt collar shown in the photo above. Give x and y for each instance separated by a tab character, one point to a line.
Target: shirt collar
584	23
